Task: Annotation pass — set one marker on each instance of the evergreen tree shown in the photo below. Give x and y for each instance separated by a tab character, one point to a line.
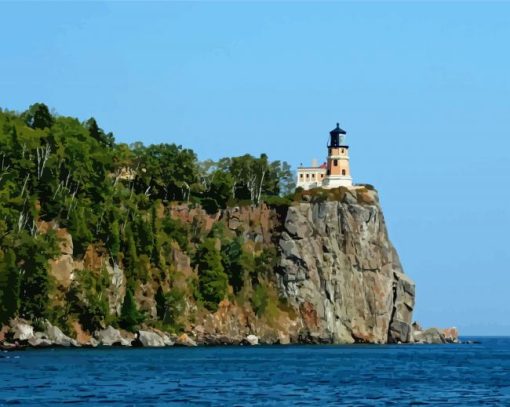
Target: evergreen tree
231	258
34	287
131	255
114	240
82	236
160	302
38	116
213	281
130	317
58	169
174	307
145	237
9	287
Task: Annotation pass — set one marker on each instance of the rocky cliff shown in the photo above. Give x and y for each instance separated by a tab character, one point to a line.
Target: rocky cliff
335	278
340	270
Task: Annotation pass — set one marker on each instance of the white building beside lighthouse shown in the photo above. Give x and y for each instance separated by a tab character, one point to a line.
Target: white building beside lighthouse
335	172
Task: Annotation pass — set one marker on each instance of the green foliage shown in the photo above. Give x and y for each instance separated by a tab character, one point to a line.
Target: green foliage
233	264
82	236
130	317
38	116
9	286
114	197
35	282
210	205
277	201
265	263
260	299
213	281
88	299
145	241
174	307
131	254
266	304
317	195
170	307
160	302
114	242
176	230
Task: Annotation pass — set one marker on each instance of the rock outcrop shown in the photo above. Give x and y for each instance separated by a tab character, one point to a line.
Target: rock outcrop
434	335
57	337
111	337
339	269
151	339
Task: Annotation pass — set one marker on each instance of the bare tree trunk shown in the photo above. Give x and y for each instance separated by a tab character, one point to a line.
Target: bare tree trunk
42	158
260	186
24	185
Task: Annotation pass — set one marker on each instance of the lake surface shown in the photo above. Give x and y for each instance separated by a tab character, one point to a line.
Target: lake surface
364	375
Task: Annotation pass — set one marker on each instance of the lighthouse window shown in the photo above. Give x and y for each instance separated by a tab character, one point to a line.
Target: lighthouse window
342	150
301	176
343	172
335	163
307	175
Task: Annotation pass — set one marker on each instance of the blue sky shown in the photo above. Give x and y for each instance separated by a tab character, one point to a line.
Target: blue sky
423	90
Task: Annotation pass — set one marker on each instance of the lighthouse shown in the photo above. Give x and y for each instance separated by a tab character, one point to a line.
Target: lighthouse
335	172
338	173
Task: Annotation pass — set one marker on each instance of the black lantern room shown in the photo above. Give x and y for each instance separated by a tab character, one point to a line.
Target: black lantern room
337	136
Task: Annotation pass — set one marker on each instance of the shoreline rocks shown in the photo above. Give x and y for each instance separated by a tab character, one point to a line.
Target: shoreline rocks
434	335
111	337
21	335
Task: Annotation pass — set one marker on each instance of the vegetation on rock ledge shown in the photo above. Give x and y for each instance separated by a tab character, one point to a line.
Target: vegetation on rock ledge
115	200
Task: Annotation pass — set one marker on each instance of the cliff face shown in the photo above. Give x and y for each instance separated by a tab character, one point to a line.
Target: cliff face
336	277
341	272
337	271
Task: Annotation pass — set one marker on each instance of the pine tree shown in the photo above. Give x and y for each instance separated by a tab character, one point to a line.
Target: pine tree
114	240
160	302
213	281
145	237
9	287
231	254
82	236
130	317
35	285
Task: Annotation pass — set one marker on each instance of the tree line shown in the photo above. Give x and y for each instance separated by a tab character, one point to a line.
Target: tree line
60	169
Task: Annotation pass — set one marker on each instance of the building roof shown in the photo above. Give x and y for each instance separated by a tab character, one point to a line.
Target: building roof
322	167
337	130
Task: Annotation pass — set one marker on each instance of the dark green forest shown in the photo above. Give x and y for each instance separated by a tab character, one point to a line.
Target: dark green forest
106	194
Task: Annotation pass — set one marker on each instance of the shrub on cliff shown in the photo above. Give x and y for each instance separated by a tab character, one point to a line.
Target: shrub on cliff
88	299
260	299
265	301
213	281
275	201
170	307
176	230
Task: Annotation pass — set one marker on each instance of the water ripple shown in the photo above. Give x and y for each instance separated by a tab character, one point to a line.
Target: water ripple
261	376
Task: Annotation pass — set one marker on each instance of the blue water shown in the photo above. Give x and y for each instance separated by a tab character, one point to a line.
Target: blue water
364	375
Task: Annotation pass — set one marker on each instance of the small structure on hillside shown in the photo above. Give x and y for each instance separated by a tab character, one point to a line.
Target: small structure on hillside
335	172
